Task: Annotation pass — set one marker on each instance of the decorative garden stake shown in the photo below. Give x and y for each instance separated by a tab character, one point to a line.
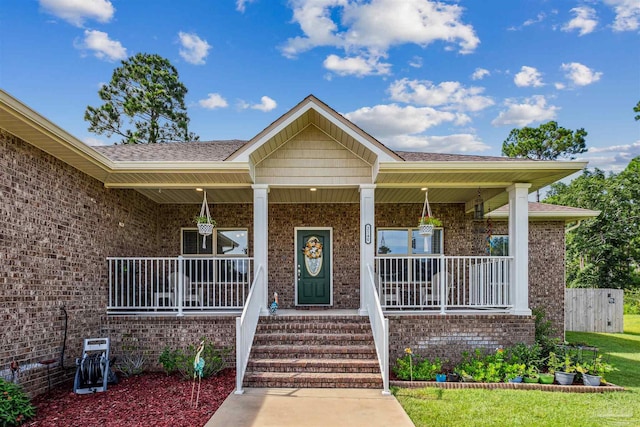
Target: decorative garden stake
198	367
274	305
410	354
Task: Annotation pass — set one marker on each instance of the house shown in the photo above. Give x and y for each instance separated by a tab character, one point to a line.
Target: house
100	241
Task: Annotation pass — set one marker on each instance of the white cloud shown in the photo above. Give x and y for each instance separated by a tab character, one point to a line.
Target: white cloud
356	66
102	46
455	143
361	31
241	5
539	18
416	62
213	101
394	120
614	158
528	76
266	104
627	14
559	85
580	74
480	73
449	95
534	109
77	11
585	20
94	142
194	50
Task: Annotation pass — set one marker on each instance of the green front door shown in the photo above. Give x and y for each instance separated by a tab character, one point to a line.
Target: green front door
313	260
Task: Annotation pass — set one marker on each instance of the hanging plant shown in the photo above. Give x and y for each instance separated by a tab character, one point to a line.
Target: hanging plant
427	222
205	223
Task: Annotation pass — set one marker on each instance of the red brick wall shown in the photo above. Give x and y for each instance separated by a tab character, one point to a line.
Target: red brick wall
345	220
151	334
57	226
447	336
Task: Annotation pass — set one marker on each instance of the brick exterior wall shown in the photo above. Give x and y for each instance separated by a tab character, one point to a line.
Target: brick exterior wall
58	225
447	336
546	268
149	335
345	220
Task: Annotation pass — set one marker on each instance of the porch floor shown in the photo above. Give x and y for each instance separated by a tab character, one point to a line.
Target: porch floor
312	312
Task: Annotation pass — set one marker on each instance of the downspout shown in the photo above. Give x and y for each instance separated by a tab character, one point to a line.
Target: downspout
573	227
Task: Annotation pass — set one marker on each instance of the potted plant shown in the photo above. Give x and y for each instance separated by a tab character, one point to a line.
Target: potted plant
593	373
514	372
564	368
426	225
205	225
531	375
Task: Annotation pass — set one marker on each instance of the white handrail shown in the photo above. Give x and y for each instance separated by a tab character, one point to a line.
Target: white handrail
379	328
246	328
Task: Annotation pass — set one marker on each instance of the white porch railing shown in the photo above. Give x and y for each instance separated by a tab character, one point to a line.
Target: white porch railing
445	283
246	328
379	327
144	284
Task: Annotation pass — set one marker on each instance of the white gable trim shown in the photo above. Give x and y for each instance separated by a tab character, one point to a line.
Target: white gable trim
311	104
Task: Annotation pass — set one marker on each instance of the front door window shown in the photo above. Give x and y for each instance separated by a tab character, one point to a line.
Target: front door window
313	266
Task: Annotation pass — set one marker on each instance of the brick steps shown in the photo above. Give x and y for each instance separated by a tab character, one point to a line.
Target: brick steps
312	380
306	338
352	366
313	351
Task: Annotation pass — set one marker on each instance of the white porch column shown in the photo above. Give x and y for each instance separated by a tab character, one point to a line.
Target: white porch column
261	242
367	237
519	246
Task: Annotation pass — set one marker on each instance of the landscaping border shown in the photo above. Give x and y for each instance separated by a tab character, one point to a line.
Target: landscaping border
510	386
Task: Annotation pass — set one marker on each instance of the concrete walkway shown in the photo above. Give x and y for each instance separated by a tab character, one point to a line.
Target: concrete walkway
310	407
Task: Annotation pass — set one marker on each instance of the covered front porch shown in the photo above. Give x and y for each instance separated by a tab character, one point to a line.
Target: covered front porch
185	285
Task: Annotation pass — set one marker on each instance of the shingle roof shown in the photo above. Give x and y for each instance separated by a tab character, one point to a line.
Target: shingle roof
221	150
175	151
411	156
542	210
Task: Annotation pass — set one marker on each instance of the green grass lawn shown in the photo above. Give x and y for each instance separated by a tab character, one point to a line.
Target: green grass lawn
435	407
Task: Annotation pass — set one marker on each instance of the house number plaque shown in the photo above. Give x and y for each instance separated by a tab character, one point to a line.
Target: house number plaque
367	233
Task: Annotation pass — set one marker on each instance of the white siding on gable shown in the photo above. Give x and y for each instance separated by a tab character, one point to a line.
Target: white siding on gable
313	158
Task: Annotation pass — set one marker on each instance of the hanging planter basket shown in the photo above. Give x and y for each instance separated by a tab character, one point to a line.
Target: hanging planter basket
204	221
206	229
426	230
427	222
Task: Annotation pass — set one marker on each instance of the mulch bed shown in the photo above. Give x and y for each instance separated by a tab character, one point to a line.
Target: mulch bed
153	399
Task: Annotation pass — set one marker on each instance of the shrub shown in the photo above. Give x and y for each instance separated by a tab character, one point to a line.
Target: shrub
632	301
169	360
215	360
529	355
410	367
133	358
490	368
15	405
543	332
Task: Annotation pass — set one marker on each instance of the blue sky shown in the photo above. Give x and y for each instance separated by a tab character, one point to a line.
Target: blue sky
420	75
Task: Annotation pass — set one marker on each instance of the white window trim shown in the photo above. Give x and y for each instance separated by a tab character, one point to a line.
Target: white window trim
214	242
409	231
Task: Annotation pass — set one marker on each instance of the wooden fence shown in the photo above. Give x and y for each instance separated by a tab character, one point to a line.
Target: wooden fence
593	310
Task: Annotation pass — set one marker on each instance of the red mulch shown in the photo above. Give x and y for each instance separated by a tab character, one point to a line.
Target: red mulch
153	399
